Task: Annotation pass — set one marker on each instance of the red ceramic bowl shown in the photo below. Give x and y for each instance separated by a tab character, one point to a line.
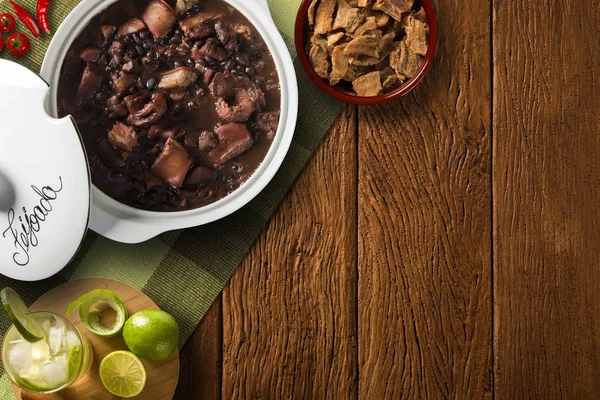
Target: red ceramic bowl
300	40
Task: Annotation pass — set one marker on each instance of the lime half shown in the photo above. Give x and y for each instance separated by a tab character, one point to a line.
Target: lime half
123	374
91	316
17	311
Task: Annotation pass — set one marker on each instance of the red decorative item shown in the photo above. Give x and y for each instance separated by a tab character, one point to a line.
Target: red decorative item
17	44
42	14
26	18
7	23
1	43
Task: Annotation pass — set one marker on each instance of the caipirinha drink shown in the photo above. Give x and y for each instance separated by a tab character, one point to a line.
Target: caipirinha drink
42	352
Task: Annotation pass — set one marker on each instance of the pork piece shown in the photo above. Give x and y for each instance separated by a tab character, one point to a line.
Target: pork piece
268	123
89	85
172	164
195	27
333	38
241	106
152	181
162	134
421	15
367	45
108	155
90	54
131	26
311	13
228	36
324	18
347	17
200	175
225	83
159	17
107	31
319	60
391	82
363	3
183	6
122	82
234	139
144	113
207	141
394	8
209	50
368	85
117	48
416	35
178	78
123	136
404	62
383	50
339	65
381	18
370	24
208	75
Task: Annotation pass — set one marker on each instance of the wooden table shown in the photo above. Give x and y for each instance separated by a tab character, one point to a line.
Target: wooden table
446	245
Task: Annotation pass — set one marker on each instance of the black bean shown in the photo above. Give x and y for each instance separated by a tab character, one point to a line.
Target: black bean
230	65
177	64
101	97
211	61
250	70
144	34
175	39
103	59
140	50
148	46
179	32
137	38
152	83
118	58
191	62
242	59
199	43
113	63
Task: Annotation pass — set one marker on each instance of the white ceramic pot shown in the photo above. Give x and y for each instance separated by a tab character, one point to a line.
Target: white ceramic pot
126	224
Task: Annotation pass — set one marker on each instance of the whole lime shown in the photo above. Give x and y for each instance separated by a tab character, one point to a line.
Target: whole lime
151	334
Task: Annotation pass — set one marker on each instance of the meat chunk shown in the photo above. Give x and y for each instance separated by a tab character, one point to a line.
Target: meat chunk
370	24
347	17
268	123
368	85
324	18
122	82
107	31
224	84
311	13
200	175
404	62
394	8
240	106
367	45
194	27
319	60
89	85
160	133
144	113
159	17
208	75
131	26
392	82
116	48
123	136
211	50
227	36
182	6
178	78
172	164
340	65
108	155
207	141
90	54
416	35
234	139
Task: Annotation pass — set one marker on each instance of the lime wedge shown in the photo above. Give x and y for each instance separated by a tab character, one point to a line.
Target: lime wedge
32	386
91	316
123	374
74	360
17	311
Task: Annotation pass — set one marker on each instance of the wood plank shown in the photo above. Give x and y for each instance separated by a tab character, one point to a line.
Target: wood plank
289	313
546	195
202	358
424	312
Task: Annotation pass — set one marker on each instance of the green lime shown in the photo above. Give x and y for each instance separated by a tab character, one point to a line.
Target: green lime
17	311
91	316
151	334
123	374
74	360
32	386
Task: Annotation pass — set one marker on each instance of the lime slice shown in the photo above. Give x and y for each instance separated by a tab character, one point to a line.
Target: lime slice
123	374
74	360
91	316
17	311
32	386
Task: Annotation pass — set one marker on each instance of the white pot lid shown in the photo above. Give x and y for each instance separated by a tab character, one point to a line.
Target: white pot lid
44	180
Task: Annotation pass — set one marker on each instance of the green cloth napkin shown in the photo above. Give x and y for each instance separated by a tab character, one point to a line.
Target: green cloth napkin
183	271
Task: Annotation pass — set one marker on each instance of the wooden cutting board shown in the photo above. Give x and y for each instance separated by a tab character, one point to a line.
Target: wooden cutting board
162	375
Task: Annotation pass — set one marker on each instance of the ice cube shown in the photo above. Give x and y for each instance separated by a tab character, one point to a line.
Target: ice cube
55	372
40	351
20	357
72	339
56	336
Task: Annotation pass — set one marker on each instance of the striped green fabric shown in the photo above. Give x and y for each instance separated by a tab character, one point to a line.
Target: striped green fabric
184	271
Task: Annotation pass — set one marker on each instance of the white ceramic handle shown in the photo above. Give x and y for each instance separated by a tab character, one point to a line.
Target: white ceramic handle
264	4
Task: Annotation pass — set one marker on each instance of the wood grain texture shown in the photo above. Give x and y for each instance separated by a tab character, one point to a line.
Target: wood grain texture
424	292
546	196
202	358
162	375
289	313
